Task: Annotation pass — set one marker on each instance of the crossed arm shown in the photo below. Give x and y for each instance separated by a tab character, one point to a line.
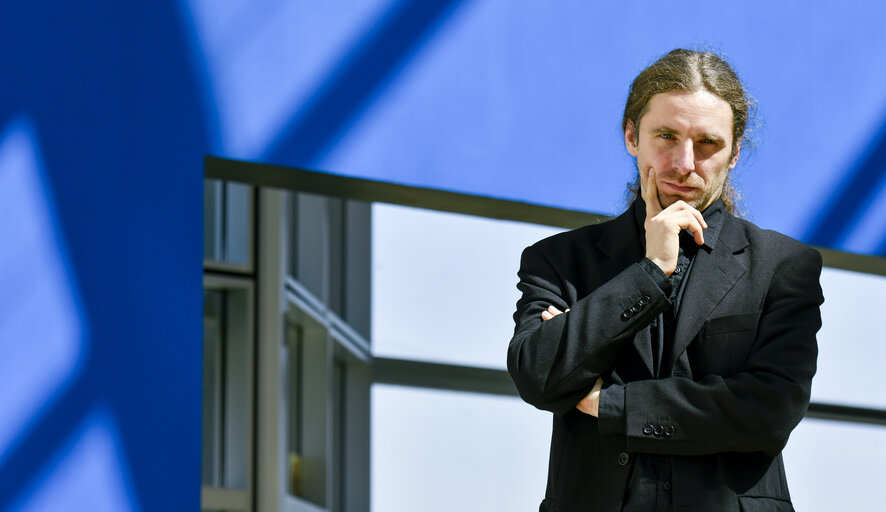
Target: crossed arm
559	359
590	404
560	362
663	228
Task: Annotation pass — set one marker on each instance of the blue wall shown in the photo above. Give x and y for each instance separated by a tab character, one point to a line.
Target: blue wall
107	110
521	100
105	97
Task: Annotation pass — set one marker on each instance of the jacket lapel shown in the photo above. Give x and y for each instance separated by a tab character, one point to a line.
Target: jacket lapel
714	273
623	244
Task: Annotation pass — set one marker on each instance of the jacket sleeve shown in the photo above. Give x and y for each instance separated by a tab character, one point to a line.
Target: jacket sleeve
556	362
752	410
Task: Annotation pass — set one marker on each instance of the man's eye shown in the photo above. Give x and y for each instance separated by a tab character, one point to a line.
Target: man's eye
707	141
667	136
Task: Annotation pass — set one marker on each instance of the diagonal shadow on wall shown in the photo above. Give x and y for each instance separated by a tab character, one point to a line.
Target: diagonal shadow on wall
360	77
853	197
117	112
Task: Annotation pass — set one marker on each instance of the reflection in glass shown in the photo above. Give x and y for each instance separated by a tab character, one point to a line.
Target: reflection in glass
226	389
339	416
293	351
226	217
212	387
212	219
306	377
318	247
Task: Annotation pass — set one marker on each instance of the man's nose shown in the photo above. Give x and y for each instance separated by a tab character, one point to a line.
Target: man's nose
684	157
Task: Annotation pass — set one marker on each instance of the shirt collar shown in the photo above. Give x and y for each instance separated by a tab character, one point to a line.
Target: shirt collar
713	215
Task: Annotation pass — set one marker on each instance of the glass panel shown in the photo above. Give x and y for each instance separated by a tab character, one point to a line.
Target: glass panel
309	263
237	377
293	404
357	268
450	450
305	405
444	284
835	466
226	221
852	344
337	249
226	389
237	219
212	387
212	219
339	416
328	253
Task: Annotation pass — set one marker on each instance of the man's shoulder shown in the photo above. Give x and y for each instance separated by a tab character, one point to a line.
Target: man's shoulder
583	236
772	243
580	235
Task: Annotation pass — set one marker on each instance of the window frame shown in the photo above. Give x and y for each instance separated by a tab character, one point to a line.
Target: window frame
241	325
277	292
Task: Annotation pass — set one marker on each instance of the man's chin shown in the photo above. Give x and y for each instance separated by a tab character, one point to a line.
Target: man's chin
667	200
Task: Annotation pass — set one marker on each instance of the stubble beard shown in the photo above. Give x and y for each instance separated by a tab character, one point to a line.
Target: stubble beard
704	196
700	202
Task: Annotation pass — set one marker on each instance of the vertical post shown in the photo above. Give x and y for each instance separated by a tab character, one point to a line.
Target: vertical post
270	466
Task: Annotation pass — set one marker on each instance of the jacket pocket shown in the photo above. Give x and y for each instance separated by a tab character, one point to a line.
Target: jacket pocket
763	504
731	323
724	344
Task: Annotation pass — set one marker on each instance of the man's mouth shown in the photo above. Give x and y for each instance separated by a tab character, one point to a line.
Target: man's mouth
676	188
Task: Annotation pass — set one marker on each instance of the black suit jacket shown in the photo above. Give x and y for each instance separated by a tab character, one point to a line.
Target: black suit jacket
736	384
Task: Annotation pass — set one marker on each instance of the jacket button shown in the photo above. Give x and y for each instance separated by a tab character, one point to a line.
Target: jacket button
658	430
669	431
627	314
647	430
635	308
666	486
644	300
623	459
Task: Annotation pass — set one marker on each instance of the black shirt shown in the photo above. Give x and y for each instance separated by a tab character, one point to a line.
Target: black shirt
649	487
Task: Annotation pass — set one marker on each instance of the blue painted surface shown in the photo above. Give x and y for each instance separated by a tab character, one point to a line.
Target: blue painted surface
88	473
108	109
522	101
114	110
37	285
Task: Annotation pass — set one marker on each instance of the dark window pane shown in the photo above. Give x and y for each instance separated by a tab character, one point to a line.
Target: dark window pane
213	358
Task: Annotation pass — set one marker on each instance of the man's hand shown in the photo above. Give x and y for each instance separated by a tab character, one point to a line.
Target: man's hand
663	226
551	312
591	403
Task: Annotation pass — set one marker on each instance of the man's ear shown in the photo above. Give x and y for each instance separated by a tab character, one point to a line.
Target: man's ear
631	138
735	153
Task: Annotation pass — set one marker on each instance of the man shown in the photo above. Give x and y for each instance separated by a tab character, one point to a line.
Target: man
675	344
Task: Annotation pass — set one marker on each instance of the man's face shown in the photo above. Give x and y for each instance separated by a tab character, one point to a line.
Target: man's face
685	139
